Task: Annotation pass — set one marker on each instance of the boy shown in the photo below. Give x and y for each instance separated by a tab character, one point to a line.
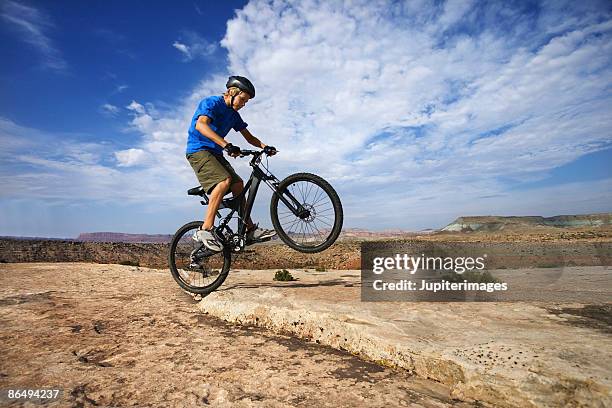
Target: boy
212	120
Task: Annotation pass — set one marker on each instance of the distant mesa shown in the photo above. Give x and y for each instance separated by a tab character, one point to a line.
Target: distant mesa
347	234
121	237
491	223
360	233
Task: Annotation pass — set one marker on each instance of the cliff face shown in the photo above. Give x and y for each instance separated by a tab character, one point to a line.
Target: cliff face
340	256
344	255
594	220
497	223
14	250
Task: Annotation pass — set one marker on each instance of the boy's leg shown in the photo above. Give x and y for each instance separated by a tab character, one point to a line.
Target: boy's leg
254	233
237	188
214	201
214	178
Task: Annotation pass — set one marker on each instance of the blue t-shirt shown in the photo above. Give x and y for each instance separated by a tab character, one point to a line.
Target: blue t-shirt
223	118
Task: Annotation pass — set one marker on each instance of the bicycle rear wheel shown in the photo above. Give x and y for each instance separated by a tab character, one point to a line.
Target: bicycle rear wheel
195	268
319	219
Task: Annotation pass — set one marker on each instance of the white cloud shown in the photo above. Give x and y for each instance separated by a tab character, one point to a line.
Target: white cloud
109	109
194	46
33	25
130	157
183	48
63	167
368	70
136	107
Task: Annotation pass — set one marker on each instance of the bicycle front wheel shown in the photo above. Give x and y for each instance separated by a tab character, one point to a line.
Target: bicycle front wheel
306	213
195	268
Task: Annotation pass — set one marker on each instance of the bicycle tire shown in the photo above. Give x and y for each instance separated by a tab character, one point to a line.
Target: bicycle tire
284	231
185	233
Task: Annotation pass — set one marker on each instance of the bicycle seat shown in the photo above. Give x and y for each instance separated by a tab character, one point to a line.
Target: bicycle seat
196	191
199	191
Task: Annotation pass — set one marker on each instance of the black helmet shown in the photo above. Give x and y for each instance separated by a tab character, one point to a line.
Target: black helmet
241	83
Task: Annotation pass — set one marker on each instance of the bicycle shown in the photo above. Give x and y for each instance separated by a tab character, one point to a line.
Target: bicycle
298	202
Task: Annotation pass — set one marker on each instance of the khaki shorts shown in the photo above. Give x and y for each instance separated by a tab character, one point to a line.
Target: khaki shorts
211	169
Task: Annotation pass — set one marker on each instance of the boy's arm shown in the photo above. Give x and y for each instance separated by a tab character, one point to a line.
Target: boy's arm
252	139
202	127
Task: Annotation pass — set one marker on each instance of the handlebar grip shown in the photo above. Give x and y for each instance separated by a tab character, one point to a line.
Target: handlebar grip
244	153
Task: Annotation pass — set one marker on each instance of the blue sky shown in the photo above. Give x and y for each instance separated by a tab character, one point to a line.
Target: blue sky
418	112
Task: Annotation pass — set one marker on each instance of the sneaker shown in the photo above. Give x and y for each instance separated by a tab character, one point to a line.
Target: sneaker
259	234
208	239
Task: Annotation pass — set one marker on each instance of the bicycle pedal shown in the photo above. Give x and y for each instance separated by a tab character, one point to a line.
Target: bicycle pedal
258	241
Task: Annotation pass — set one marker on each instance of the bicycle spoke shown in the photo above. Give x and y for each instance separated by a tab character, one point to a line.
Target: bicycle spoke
307	189
300	188
329	225
326	211
307	228
319	232
320	195
312	229
312	185
293	225
325	215
286	216
306	233
301	231
322	204
323	196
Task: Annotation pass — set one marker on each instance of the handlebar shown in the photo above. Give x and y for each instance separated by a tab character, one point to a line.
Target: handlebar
244	153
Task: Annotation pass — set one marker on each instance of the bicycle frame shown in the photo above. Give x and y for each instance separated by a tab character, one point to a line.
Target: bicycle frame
252	186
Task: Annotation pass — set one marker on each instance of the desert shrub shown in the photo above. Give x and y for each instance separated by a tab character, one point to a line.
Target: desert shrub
320	269
284	276
548	265
129	263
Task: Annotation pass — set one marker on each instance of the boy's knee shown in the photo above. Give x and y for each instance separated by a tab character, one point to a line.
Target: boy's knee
237	187
226	183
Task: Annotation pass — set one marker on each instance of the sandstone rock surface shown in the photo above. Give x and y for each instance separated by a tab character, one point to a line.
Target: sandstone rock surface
506	354
118	336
